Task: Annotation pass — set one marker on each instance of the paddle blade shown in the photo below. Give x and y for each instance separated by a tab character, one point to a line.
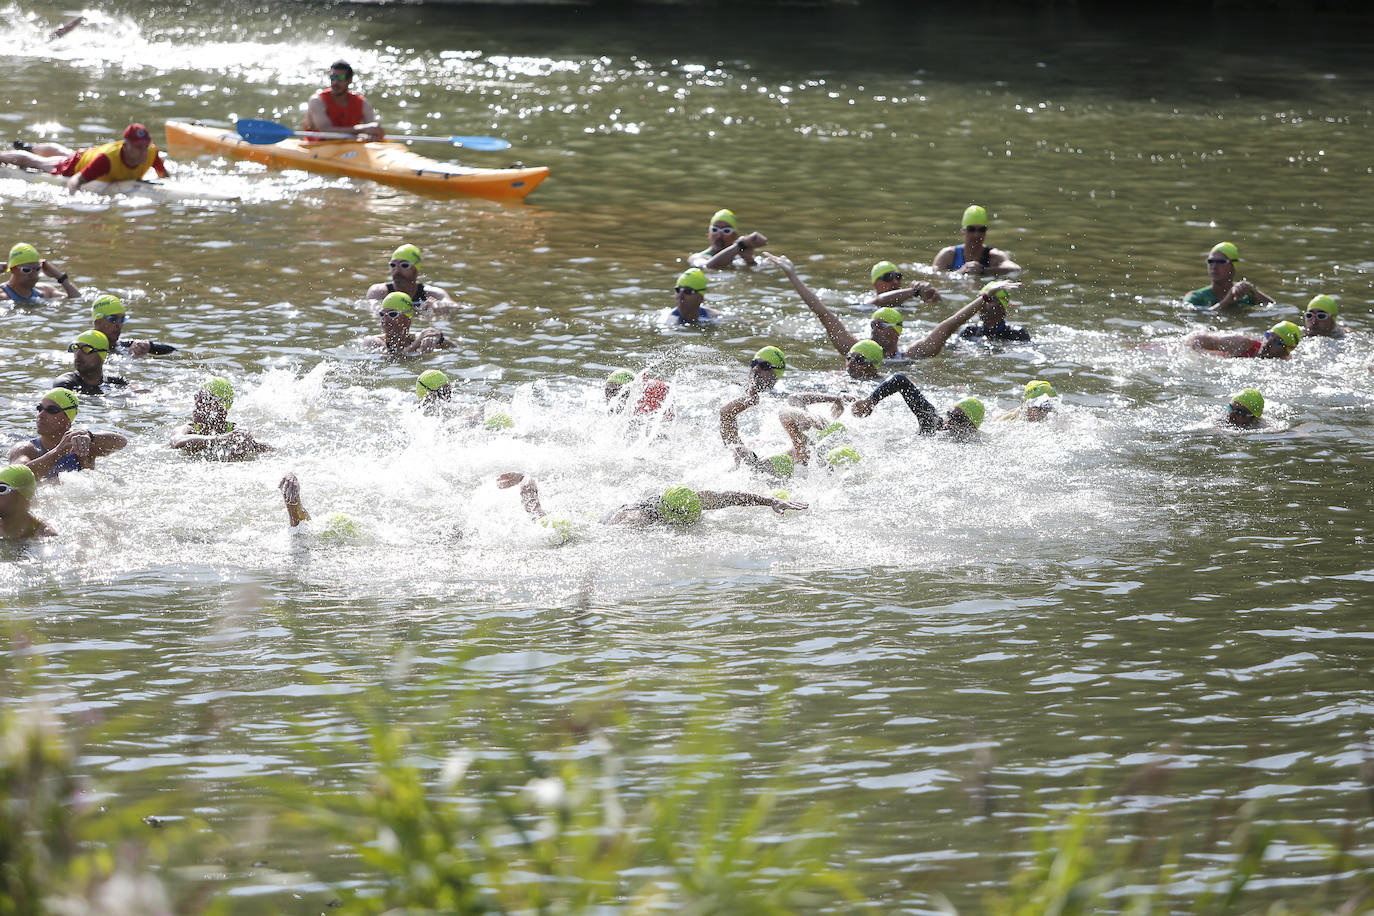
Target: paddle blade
262	132
480	143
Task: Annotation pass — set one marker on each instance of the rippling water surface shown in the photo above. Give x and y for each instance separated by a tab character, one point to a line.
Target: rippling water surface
1052	608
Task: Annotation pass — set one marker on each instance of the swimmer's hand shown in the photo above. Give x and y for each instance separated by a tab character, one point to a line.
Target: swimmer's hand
290	489
992	288
753	240
782	262
782	505
862	407
509	479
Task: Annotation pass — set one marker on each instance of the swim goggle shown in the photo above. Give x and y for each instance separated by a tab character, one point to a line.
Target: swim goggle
6	489
391	313
84	348
53	409
724	230
687	289
401	265
1317	314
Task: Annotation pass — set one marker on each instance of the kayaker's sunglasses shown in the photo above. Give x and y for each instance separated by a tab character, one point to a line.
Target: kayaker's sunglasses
401	265
52	409
975	228
891	277
686	289
723	230
1318	314
391	313
28	268
339	77
84	348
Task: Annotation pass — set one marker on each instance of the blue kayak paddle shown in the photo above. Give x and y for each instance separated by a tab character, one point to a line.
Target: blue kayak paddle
262	133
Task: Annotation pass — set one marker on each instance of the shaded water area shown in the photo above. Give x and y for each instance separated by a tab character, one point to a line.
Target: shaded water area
954	635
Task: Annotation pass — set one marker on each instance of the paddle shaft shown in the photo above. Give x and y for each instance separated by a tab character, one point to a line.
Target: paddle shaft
256	131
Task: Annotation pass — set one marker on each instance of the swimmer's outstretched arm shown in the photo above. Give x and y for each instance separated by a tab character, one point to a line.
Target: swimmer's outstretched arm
529	491
729	416
893	297
724	499
836	402
291	495
1230	344
834	328
934	342
796	423
925	412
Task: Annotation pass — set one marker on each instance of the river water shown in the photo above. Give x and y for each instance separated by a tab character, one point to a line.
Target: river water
1048	610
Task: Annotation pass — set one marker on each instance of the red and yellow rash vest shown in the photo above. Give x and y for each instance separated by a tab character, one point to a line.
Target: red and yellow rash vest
104	163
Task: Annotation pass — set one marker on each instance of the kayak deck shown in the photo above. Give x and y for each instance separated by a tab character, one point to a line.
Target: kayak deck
384	161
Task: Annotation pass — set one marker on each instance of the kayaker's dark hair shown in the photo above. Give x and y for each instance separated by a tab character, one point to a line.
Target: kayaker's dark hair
344	66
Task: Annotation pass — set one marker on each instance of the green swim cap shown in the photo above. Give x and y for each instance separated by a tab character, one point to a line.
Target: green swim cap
20	477
724	216
870	350
783	465
1037	388
23	253
558	529
883	267
219	388
107	305
93	338
430	381
1325	303
889	315
1001	294
842	456
975	215
973	409
64	398
398	301
621	377
1288	332
834	429
692	278
779	494
1251	400
407	252
499	420
680	505
336	526
1227	249
773	357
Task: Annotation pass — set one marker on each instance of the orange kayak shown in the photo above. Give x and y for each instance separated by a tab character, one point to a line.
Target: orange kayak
384	161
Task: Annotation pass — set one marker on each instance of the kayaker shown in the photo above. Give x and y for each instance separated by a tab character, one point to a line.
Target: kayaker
396	340
961	421
974	258
24	266
405	278
127	159
1278	342
1320	317
885	324
993	325
725	243
888	290
60	446
17	489
337	107
689	291
108	317
1245	409
210	433
89	351
1225	291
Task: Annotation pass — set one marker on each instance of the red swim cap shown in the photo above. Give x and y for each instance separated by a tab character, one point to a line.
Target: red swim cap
655	393
137	132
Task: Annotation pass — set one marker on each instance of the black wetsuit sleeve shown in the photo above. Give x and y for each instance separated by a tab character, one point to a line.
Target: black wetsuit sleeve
161	349
915	401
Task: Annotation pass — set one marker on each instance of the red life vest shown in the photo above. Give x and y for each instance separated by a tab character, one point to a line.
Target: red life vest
349	114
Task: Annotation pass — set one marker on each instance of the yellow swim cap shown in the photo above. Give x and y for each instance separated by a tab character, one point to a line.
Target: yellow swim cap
336	526
219	388
21	478
398	301
883	267
64	398
844	455
621	377
1324	303
1251	400
869	350
724	216
1227	249
692	278
1000	294
680	505
1288	332
499	420
975	215
834	429
23	253
407	252
1037	388
889	315
107	305
430	381
94	339
973	409
773	357
783	465
558	529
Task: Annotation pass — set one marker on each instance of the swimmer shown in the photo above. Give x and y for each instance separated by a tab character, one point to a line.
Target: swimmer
622	384
291	496
60	446
973	258
961	422
724	244
17	489
1245	409
405	278
334	526
1278	342
434	390
1037	403
25	266
126	159
888	289
1224	290
765	369
690	293
89	352
396	340
885	324
210	434
108	317
1320	318
993	315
